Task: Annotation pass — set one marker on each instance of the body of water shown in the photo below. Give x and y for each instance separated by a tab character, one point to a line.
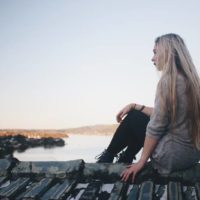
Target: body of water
84	147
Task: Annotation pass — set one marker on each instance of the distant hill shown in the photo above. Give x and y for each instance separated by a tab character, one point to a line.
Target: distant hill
60	133
93	130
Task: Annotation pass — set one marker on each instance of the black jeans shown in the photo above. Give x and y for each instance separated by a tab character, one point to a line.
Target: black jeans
130	134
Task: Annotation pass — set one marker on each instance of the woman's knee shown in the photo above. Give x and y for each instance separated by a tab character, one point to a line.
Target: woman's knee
136	114
137	118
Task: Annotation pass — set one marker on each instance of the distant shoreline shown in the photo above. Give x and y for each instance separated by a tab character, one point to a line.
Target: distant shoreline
61	133
33	133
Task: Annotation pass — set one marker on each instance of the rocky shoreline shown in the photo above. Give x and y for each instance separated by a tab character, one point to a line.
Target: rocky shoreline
9	144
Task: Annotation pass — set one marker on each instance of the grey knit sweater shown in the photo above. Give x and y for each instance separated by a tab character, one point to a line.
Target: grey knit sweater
174	150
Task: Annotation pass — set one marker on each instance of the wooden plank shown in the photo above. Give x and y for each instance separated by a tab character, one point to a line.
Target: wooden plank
2	179
77	191
91	191
63	189
174	191
14	187
118	191
5	165
159	191
38	189
146	190
197	188
50	192
189	193
133	195
28	188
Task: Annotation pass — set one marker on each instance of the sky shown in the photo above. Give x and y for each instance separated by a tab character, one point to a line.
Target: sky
70	63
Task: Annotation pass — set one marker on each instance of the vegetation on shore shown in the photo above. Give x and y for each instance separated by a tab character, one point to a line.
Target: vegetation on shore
34	133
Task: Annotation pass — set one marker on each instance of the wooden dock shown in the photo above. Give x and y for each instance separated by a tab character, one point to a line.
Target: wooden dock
73	180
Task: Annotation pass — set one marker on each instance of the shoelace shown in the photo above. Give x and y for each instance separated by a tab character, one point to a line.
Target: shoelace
120	155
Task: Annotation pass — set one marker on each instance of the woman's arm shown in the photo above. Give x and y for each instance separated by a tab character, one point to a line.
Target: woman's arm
156	129
147	110
133	106
149	145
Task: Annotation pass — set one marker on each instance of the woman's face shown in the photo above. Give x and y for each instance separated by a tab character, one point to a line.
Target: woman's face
155	56
156	59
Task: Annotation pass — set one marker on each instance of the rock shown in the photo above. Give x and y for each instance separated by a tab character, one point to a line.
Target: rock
9	144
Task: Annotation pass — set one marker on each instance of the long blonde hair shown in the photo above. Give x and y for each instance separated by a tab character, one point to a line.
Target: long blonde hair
174	58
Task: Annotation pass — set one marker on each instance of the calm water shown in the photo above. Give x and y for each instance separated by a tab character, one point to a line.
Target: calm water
84	147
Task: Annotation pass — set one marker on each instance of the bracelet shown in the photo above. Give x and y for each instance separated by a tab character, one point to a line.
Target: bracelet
142	108
134	106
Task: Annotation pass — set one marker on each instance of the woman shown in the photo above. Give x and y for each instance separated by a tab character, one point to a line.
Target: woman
170	135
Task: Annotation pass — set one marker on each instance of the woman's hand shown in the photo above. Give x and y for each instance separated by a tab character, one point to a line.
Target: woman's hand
124	111
132	171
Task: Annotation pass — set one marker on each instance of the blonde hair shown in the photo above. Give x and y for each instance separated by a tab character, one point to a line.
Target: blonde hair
174	57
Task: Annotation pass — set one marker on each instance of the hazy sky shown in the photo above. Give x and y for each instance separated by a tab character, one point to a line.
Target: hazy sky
68	63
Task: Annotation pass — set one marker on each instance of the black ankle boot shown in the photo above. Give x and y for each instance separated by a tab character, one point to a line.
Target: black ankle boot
105	157
124	157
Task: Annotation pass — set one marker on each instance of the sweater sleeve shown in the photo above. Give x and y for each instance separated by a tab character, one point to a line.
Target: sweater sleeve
159	120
